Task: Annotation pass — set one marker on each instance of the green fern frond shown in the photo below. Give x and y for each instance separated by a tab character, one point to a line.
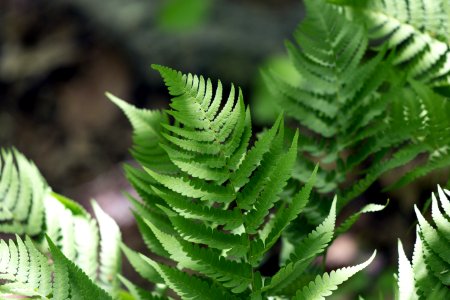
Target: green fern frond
429	276
338	94
303	253
406	282
110	256
146	136
213	216
26	271
328	84
323	286
369	208
30	208
189	287
359	111
70	281
22	194
421	128
418	30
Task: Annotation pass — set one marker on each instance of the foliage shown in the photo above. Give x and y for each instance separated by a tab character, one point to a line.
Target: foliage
428	276
215	202
26	271
361	115
207	211
29	207
418	30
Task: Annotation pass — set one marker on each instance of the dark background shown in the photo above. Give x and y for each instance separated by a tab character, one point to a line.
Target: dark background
57	58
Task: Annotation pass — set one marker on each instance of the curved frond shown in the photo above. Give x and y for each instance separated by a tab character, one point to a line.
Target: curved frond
324	285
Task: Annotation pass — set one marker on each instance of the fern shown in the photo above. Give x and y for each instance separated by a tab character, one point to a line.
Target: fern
214	201
323	286
357	115
428	276
22	194
418	31
29	207
212	215
25	271
335	87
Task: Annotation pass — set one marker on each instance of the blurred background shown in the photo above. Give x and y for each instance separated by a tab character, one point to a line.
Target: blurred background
57	59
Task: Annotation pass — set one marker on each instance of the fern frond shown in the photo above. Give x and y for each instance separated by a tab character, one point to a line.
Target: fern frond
358	109
110	255
328	66
213	216
369	208
146	136
338	97
417	30
29	207
233	275
405	276
304	252
430	263
22	193
70	281
24	270
324	285
189	287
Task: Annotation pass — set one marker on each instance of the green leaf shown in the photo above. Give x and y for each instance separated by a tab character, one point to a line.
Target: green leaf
188	287
304	252
73	279
369	208
110	262
24	270
324	285
22	194
147	136
406	283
